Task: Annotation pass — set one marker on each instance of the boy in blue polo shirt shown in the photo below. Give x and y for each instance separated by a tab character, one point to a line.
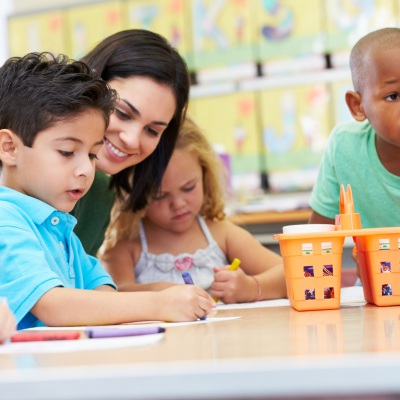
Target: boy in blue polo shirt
53	114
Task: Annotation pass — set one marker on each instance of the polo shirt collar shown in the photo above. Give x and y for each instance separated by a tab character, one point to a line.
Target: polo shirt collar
37	209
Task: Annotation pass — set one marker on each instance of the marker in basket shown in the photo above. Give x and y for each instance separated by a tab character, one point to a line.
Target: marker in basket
189	281
233	267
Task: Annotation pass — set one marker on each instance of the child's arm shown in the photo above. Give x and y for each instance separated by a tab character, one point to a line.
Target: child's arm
119	261
7	323
260	275
316	218
76	307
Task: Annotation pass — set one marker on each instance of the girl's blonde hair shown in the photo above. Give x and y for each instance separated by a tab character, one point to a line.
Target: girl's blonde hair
125	224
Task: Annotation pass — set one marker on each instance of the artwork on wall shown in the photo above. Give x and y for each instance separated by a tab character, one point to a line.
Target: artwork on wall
88	25
170	18
230	122
347	21
287	30
44	31
295	125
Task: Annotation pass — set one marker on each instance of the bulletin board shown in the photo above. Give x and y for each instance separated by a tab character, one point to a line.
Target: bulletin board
341	112
169	18
229	121
38	32
88	25
296	122
222	32
288	28
347	21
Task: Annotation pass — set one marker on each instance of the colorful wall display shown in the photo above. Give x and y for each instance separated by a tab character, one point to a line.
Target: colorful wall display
222	32
230	122
88	25
347	21
288	28
295	125
170	18
44	31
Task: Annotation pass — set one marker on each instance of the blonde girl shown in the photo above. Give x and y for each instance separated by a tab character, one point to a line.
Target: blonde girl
184	229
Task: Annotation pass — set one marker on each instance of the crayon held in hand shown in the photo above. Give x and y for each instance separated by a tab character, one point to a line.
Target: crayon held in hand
233	267
189	281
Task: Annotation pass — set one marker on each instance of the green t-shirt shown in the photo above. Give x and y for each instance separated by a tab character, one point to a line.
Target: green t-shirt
351	158
93	213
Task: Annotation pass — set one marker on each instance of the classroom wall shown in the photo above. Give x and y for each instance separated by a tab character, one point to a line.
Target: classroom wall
269	76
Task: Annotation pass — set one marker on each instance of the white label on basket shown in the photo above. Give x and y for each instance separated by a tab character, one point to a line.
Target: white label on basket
306	248
384	244
326	248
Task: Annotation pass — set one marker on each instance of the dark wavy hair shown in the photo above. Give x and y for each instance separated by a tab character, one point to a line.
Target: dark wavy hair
138	52
41	89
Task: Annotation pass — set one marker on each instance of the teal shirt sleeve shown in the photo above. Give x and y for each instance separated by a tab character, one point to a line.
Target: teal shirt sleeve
93	213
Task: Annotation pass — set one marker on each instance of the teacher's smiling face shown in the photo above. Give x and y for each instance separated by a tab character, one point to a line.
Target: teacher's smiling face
141	115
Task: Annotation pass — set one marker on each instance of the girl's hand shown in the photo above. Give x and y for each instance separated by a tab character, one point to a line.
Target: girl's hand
7	323
184	303
233	286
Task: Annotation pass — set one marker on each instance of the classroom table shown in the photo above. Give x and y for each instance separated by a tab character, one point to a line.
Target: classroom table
271	351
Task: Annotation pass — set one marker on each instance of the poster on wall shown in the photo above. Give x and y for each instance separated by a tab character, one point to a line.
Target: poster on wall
348	21
296	122
223	35
37	32
88	25
286	29
229	121
169	18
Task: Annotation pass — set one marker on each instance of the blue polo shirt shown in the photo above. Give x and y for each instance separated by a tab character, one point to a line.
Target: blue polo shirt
39	251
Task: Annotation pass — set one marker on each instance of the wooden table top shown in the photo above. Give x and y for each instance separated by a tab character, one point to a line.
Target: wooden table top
256	355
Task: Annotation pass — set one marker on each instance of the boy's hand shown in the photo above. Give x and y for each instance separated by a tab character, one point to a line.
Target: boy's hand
232	286
184	303
7	323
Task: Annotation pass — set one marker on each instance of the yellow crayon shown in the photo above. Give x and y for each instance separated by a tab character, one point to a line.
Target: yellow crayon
233	267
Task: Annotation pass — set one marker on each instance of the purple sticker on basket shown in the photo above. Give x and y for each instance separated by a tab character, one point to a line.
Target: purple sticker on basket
309	294
308	271
329	293
327	270
385	267
387	289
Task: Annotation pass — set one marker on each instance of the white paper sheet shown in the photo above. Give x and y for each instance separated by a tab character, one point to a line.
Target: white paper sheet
62	346
147	323
348	296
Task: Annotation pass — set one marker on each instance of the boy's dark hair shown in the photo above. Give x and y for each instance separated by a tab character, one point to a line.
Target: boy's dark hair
40	89
138	52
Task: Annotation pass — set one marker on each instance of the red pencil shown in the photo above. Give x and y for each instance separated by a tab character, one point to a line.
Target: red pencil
44	336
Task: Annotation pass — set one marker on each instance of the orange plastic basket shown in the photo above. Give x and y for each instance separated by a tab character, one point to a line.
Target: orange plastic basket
379	258
313	266
313	274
